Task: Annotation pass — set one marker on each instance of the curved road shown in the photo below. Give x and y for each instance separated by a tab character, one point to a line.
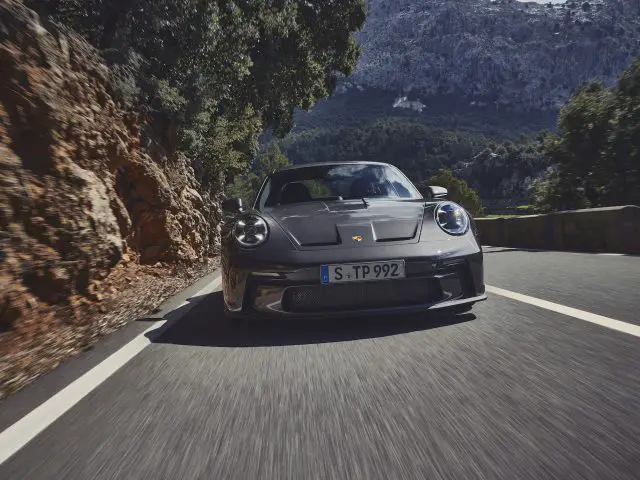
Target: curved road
511	391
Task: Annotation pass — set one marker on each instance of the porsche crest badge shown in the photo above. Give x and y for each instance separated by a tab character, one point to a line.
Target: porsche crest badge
357	238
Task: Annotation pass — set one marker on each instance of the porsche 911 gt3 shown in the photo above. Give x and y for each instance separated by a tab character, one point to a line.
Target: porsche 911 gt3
341	239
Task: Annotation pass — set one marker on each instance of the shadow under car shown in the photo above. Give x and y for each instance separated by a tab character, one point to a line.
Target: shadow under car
206	325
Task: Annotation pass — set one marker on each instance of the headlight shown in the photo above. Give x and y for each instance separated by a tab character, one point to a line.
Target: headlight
250	231
452	218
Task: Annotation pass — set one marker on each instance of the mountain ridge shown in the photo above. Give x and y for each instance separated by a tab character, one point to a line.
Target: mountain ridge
523	56
490	57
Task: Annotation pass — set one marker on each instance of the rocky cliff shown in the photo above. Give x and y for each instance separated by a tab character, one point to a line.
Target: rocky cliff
85	193
509	54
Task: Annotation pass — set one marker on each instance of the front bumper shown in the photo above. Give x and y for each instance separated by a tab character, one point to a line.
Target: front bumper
295	291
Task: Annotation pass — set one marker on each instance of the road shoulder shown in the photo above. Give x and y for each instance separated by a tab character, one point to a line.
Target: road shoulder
35	394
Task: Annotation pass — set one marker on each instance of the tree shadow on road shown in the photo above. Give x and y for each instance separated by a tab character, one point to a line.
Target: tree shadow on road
206	325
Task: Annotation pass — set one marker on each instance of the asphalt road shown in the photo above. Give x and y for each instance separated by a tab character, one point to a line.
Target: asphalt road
511	391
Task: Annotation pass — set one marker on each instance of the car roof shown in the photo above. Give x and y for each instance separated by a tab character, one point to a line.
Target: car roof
324	164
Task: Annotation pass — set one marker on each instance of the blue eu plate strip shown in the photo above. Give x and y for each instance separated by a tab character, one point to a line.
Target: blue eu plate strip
324	274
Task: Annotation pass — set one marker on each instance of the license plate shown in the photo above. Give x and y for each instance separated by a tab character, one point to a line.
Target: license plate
361	272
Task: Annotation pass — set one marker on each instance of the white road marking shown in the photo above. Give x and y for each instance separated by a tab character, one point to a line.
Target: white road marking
557	251
570	311
28	427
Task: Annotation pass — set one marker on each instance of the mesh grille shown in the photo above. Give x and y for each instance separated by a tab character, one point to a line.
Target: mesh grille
357	296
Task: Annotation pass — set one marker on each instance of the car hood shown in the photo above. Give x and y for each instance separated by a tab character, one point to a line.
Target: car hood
346	224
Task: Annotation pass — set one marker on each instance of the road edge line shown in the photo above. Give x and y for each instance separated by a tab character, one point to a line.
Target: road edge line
572	252
601	320
16	436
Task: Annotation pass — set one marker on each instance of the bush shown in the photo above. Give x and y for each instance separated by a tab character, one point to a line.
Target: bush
597	153
458	191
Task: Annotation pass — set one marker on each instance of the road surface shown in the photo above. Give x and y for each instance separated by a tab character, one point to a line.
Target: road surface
513	390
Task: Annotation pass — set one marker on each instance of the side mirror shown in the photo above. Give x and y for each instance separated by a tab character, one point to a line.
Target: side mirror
232	205
437	192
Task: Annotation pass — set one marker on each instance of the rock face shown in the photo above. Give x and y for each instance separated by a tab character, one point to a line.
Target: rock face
516	55
77	191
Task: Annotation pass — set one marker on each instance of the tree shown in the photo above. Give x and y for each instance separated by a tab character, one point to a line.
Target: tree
219	72
415	148
597	154
543	190
624	142
458	191
247	186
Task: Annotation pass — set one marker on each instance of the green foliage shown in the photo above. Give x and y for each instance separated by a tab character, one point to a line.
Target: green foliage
458	191
598	151
505	171
355	107
497	171
218	72
318	188
544	192
417	149
246	186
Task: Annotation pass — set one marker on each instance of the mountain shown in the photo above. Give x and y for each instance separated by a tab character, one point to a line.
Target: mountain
489	57
490	74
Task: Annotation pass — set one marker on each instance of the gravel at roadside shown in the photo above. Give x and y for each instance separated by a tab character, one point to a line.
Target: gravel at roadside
53	334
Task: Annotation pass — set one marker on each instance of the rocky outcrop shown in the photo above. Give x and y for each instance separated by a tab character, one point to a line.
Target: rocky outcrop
77	189
501	53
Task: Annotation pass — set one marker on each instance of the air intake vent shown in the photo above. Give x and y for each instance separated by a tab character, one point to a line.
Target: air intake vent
359	296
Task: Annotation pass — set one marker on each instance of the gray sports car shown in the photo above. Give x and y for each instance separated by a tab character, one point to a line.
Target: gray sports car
337	239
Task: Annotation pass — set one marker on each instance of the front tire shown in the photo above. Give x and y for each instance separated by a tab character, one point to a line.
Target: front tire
236	318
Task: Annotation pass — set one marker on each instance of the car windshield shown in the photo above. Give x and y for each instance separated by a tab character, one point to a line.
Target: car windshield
336	182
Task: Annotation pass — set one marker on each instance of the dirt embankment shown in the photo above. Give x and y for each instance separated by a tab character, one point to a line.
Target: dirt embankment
94	228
